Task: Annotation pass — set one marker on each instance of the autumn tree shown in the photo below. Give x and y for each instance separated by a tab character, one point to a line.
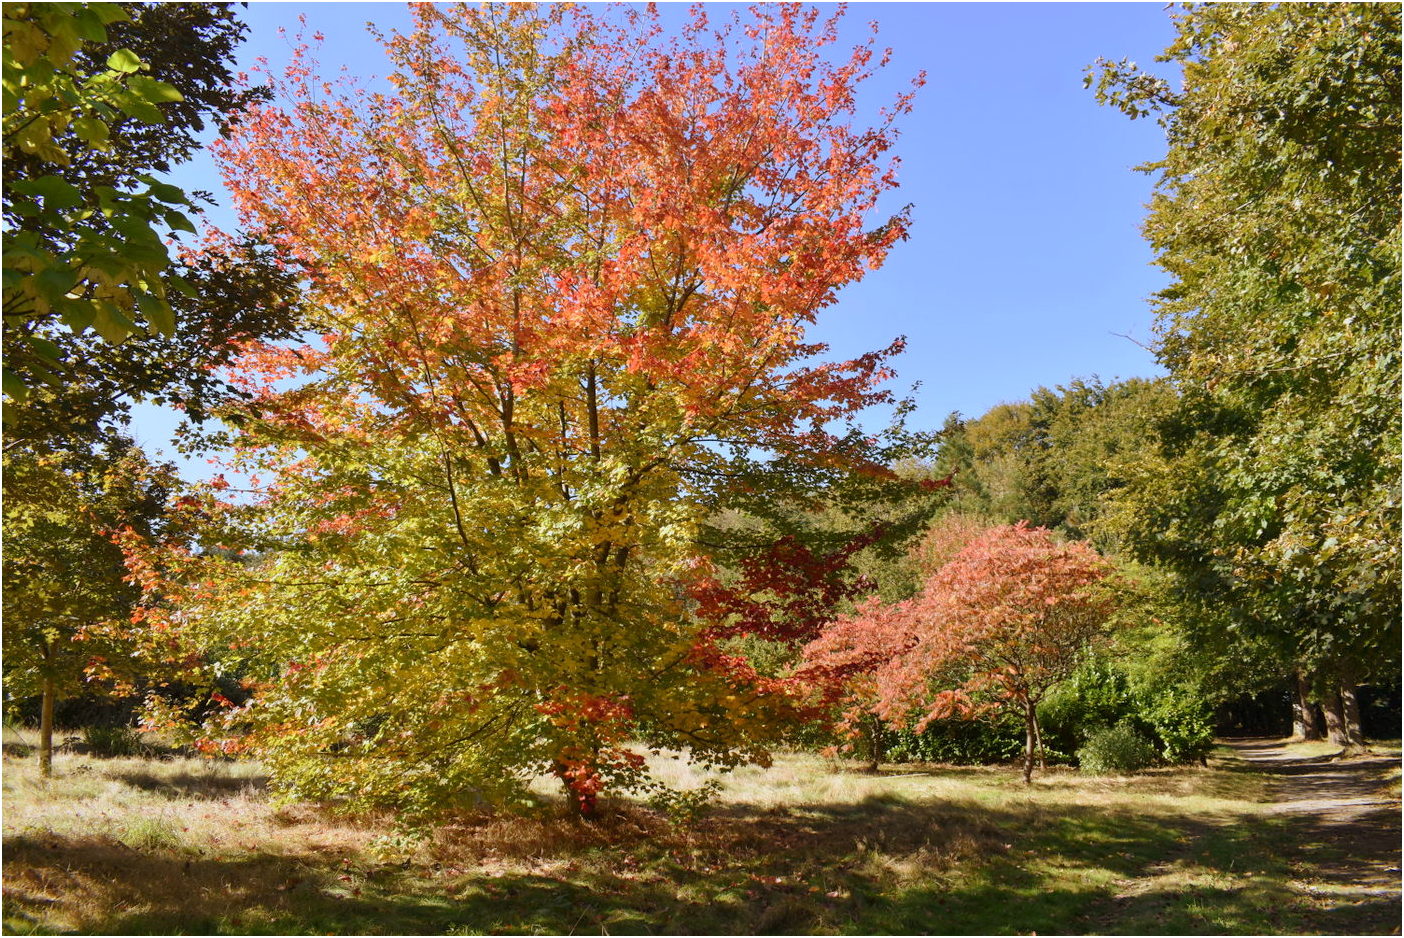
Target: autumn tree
1274	488
999	625
565	271
64	577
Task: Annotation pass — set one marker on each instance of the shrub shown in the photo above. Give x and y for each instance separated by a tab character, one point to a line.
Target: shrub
1117	750
958	742
1096	697
684	807
1182	721
1174	716
113	741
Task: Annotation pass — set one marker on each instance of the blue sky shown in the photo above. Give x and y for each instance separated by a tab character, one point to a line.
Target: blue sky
1025	258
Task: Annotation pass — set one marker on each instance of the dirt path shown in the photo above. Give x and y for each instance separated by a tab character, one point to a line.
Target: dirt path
1344	819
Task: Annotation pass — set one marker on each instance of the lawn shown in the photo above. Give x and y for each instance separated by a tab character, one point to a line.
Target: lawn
180	845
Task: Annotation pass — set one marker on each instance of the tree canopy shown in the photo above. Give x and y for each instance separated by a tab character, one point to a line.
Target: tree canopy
90	172
1275	488
565	272
997	625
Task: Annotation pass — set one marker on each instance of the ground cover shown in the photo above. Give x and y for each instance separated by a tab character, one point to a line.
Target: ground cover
194	846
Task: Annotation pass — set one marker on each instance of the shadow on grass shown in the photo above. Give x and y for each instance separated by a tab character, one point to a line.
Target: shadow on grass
190	784
884	865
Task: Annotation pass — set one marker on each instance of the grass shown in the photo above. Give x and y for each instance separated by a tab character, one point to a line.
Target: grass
127	845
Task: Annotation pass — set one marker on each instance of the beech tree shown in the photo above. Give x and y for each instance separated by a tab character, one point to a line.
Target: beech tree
1000	624
79	250
565	272
1274	491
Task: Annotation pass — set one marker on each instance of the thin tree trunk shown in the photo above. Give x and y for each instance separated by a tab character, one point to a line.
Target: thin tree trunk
872	728
580	805
1030	741
1303	719
1038	739
1334	708
46	730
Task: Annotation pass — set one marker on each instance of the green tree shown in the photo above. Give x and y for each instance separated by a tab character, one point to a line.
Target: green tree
78	250
1052	460
94	152
64	576
1275	493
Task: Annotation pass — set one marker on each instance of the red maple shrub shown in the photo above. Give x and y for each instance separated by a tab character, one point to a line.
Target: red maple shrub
994	628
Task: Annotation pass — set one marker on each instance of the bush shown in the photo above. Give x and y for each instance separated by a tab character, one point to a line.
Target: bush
685	807
113	741
1183	722
1118	750
1096	697
959	742
1172	715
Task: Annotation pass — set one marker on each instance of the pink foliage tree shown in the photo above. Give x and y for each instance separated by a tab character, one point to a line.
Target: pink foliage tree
996	627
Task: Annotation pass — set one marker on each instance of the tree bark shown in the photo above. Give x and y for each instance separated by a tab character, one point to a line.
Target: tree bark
1038	740
1333	706
1303	719
1030	741
872	729
581	806
46	730
1351	712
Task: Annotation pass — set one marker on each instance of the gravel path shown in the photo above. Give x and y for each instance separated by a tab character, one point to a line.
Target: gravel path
1344	815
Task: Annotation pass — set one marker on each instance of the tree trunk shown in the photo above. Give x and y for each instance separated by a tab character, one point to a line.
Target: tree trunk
872	729
46	730
1303	719
1351	707
1333	706
1030	741
580	805
1038	739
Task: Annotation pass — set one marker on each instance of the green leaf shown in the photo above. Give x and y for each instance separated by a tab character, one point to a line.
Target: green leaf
78	316
124	60
109	12
143	111
91	131
158	313
181	285
45	349
13	386
89	25
157	92
53	282
57	193
180	222
171	195
111	324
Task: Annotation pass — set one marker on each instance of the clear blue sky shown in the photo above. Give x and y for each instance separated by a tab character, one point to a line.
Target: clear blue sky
1025	257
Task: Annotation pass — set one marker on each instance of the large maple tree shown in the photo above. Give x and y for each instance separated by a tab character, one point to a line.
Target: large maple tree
566	269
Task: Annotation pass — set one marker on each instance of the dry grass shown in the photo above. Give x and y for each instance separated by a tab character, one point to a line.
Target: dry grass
192	846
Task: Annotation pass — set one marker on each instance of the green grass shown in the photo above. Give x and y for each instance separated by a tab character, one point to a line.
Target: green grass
187	846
